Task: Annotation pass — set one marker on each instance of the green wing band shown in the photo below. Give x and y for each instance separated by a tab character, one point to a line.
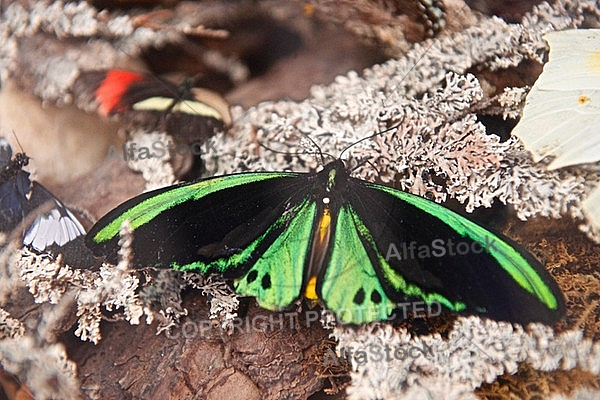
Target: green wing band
148	209
509	259
350	285
396	280
276	278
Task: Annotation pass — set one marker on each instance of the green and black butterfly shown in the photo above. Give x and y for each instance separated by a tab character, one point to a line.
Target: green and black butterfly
359	247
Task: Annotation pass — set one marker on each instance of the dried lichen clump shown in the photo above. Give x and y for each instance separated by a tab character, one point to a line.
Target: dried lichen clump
36	358
476	351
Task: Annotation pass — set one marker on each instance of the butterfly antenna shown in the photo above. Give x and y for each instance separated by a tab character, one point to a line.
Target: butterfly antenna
17	140
319	152
363	162
291	153
380	133
306	135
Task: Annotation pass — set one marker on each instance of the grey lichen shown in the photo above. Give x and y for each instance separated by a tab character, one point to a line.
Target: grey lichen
37	359
46	278
112	288
476	351
511	102
10	327
45	368
157	171
223	303
9	276
163	297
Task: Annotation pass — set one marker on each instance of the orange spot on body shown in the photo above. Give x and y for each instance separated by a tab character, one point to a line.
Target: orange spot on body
583	100
110	92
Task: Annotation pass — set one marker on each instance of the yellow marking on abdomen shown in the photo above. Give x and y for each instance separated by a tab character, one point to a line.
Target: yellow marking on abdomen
311	289
324	224
310	292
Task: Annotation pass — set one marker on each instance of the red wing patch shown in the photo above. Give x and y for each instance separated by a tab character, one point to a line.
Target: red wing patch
111	90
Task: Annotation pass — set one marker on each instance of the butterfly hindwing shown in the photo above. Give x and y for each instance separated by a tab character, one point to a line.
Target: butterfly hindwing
188	113
349	284
276	278
562	111
56	227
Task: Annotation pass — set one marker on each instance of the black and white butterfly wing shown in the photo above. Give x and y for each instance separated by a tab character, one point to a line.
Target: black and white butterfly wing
56	227
19	197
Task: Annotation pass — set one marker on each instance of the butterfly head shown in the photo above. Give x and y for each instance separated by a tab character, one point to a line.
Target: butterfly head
332	179
13	167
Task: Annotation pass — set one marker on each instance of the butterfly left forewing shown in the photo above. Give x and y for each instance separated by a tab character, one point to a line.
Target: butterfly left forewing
172	224
13	197
14	186
252	227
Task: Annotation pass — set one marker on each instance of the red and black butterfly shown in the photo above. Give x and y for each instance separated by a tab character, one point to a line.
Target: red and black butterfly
186	112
